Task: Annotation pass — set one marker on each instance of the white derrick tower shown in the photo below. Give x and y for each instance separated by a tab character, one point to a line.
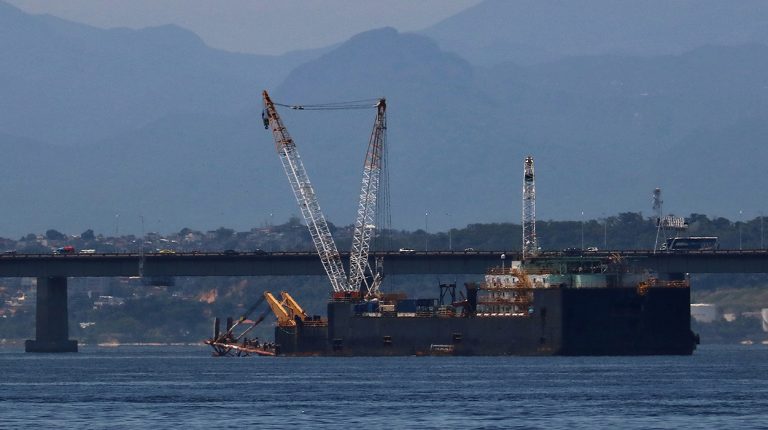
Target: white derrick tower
530	242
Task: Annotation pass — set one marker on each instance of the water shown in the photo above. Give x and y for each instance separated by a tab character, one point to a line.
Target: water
173	387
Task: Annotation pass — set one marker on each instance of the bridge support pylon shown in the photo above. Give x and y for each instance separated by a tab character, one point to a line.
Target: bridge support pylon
51	318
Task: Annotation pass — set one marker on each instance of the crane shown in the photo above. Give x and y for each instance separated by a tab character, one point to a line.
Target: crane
294	309
530	242
310	208
241	320
305	196
284	318
359	265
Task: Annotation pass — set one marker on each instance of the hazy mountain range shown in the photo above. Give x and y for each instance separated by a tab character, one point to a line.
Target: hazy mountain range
532	31
99	128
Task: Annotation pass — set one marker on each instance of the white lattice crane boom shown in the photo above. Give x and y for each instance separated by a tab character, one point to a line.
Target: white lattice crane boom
365	227
530	241
305	196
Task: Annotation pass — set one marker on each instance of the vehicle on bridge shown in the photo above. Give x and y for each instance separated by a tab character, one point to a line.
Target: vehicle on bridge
69	249
693	243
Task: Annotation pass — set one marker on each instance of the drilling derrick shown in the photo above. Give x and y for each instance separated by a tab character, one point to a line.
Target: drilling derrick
305	196
365	226
530	242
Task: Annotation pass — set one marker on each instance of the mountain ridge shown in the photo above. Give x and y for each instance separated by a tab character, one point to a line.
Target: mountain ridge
534	31
186	148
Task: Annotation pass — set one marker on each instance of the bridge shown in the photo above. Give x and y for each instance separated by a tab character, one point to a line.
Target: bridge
307	263
52	271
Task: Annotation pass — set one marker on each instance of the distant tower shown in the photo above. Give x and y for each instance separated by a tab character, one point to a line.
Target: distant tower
530	243
657	202
666	226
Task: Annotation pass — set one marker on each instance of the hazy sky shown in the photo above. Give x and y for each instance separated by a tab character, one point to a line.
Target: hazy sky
243	25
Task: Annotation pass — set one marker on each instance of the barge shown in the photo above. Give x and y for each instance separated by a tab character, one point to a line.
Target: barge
563	306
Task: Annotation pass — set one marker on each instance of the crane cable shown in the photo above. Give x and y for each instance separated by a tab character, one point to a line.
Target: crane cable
349	105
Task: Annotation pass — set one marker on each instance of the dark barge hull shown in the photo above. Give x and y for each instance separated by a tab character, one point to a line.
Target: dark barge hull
563	321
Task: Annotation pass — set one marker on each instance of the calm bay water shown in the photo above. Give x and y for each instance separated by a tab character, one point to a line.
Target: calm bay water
171	387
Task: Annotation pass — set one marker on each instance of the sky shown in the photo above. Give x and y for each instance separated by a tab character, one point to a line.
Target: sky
240	25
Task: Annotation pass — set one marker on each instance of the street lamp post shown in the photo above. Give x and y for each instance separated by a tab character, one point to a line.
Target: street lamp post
582	230
762	245
271	233
740	223
450	231
426	231
141	250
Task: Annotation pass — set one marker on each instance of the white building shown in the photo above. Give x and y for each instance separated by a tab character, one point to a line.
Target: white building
704	312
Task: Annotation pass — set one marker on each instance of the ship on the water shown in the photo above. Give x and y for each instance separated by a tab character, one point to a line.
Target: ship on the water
570	305
575	304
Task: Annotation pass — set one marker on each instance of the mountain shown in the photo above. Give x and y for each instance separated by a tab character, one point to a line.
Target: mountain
72	84
535	31
109	127
605	130
427	130
614	127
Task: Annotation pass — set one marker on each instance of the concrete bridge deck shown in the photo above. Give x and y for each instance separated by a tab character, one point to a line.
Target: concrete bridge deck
52	271
307	263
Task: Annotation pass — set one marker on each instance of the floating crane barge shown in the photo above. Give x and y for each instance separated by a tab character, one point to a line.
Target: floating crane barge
578	305
570	305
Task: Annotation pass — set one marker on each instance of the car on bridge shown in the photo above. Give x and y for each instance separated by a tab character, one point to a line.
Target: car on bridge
407	251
